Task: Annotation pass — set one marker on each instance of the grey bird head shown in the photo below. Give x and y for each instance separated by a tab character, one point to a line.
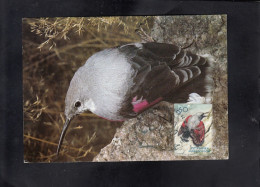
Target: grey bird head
98	86
77	101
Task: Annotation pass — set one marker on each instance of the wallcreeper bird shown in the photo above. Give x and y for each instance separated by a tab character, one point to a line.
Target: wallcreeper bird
193	127
119	83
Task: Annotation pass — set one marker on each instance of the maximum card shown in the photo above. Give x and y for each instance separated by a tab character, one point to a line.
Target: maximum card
104	88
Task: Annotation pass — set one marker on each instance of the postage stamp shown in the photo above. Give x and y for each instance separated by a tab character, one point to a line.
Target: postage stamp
193	129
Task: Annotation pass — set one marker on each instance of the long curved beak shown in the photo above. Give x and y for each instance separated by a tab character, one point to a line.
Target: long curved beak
204	115
65	127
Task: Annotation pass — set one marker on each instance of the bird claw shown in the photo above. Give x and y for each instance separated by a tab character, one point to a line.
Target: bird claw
163	112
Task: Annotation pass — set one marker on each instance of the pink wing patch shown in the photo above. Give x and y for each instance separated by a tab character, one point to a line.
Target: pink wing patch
140	105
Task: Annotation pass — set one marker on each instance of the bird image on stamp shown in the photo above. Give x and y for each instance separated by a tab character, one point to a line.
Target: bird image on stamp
193	129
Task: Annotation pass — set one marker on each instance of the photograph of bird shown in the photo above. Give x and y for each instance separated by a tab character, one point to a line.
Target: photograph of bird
120	83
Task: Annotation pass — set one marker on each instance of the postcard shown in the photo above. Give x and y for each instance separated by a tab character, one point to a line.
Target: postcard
125	88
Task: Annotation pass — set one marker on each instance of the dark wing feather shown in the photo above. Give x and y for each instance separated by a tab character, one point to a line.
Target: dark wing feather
159	70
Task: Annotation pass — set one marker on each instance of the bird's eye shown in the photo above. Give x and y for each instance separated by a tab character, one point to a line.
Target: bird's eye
77	104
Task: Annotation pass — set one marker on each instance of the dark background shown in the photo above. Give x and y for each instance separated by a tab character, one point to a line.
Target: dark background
242	169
